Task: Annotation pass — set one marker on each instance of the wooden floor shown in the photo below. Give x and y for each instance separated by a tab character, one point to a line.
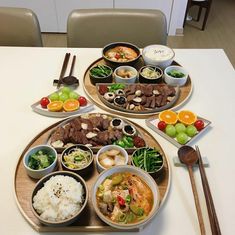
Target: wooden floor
219	31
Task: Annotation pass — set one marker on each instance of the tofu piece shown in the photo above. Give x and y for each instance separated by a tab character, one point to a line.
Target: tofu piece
122	193
107	162
119	160
107	196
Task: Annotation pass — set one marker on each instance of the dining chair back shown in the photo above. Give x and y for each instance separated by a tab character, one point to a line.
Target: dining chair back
206	4
98	27
19	27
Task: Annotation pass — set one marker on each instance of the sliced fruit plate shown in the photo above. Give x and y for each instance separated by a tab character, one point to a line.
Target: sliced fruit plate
179	128
62	103
137	98
95	130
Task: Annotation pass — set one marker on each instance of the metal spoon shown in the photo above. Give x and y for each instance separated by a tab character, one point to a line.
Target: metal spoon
189	157
71	80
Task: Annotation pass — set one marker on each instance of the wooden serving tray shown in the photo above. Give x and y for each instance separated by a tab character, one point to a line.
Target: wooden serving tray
91	91
89	221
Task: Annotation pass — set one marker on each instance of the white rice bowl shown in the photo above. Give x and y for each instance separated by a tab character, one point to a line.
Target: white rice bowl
60	198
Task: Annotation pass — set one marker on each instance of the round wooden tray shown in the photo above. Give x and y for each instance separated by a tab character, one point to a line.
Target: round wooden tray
24	186
91	91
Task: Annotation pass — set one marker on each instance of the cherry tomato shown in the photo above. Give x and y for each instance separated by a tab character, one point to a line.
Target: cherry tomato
161	125
44	102
82	100
117	56
199	124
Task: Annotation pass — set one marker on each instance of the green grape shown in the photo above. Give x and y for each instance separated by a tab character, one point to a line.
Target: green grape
191	130
180	127
170	130
182	138
66	90
54	96
73	95
64	97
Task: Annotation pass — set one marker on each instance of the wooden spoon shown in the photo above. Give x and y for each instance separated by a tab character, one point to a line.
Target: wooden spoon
71	80
189	157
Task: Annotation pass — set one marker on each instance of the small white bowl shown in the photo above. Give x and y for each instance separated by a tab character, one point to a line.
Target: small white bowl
100	168
172	81
145	177
120	79
37	174
158	55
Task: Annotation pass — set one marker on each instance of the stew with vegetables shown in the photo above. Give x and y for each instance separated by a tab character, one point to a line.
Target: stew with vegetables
124	198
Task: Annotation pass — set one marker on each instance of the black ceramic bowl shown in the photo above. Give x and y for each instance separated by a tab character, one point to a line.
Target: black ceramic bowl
73	218
81	171
96	79
115	64
147	79
158	167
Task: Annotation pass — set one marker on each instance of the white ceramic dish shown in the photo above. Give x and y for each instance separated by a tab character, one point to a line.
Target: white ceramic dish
119	79
158	55
45	112
100	168
173	81
145	177
37	174
153	122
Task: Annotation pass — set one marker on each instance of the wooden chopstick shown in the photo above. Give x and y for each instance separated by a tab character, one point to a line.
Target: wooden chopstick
65	64
215	228
72	66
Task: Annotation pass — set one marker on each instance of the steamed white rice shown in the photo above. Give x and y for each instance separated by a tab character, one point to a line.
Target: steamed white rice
60	198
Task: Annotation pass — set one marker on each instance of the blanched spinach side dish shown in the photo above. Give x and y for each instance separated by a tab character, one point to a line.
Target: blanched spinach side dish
40	160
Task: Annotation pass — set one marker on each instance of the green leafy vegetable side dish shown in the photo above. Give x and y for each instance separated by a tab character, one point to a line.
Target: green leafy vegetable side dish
175	73
148	159
40	160
100	71
115	87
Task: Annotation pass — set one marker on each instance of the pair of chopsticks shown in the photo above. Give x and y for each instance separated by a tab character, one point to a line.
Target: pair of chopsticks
215	228
64	67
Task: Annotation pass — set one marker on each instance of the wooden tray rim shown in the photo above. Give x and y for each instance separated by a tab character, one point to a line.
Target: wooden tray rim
130	115
81	228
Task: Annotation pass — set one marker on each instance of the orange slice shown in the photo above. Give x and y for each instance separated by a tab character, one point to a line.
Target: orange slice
71	105
55	106
168	116
187	117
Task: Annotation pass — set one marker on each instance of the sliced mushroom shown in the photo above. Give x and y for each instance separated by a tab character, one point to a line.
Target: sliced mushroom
156	92
84	126
90	135
137	99
138	93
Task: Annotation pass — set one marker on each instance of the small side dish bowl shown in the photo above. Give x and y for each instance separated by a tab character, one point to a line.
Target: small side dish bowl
121	53
158	55
150	74
78	159
149	160
125	74
131	213
40	160
101	74
110	156
175	75
59	198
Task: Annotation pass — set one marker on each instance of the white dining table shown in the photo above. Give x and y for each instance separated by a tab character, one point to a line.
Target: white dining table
27	74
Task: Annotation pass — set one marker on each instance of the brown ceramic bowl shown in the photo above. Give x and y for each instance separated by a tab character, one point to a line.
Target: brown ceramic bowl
146	78
115	64
73	218
85	170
